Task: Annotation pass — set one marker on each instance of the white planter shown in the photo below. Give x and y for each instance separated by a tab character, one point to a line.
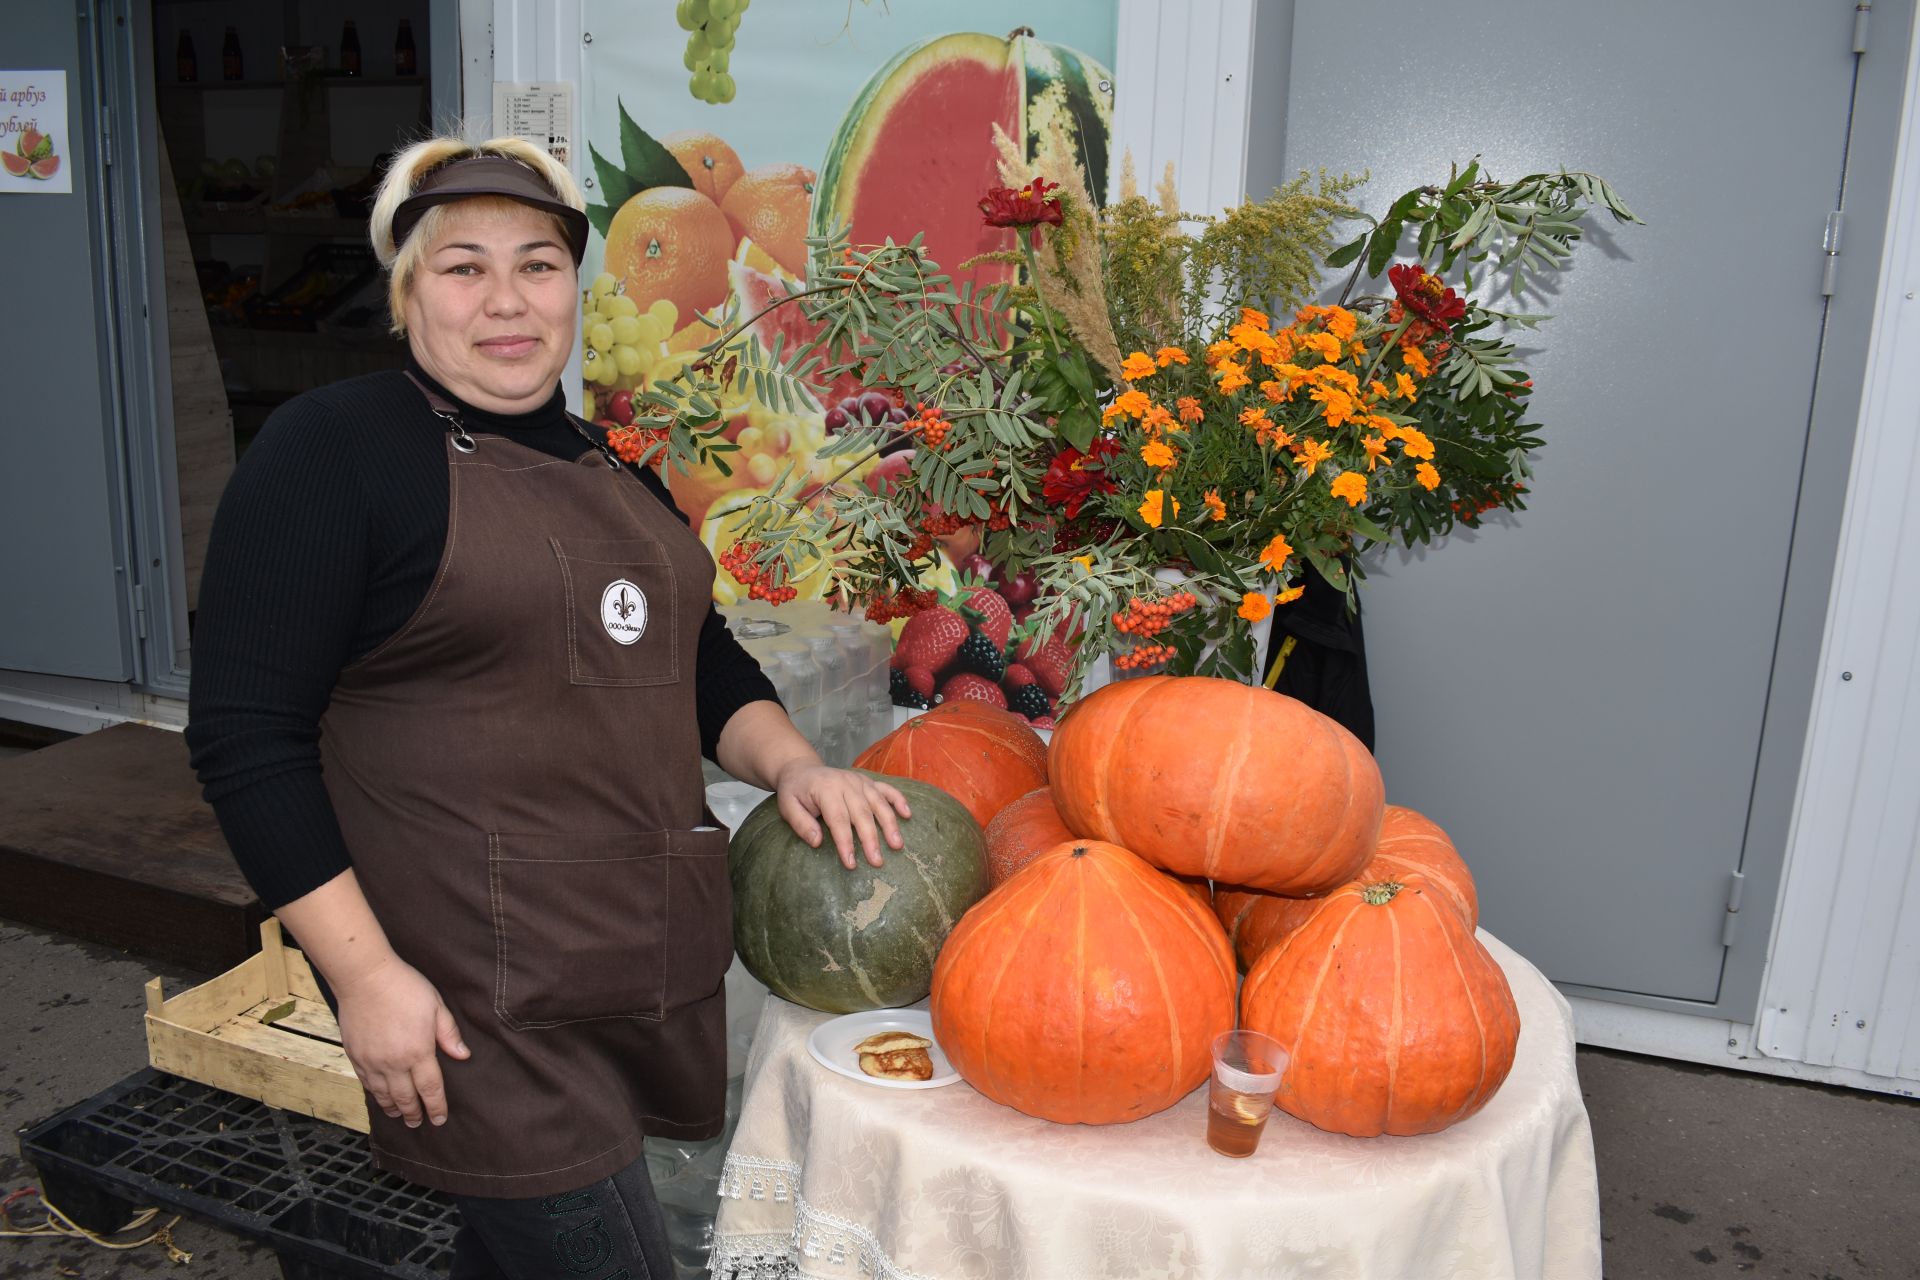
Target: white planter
1101	671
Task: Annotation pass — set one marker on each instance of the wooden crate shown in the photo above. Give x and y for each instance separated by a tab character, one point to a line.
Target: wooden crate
220	1034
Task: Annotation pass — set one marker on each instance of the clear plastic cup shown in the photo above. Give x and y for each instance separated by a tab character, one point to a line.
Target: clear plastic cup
1247	1069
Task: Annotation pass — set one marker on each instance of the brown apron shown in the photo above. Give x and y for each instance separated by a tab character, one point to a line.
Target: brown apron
517	775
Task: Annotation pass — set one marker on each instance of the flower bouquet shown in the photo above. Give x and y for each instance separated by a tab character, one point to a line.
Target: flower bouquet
1215	401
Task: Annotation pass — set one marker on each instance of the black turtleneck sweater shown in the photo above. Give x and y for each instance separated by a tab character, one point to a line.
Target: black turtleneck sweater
324	544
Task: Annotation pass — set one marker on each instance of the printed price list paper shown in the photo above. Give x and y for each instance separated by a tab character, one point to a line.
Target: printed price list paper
540	113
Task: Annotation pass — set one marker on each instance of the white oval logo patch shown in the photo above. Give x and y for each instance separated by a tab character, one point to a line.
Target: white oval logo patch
623	611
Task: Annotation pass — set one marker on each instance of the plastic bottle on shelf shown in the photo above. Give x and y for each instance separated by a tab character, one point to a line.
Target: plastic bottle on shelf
833	664
186	66
349	50
798	680
231	68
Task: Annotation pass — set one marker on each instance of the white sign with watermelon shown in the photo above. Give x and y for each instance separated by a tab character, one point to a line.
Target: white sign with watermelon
33	133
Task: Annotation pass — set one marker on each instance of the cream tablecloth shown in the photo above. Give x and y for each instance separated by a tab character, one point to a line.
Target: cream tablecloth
828	1177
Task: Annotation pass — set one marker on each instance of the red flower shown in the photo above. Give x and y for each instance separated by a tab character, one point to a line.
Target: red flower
1028	207
1073	477
1426	295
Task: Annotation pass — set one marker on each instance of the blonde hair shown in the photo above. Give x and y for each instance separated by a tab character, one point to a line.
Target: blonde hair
402	261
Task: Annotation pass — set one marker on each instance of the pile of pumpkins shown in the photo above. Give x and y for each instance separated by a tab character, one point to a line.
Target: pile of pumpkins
1081	913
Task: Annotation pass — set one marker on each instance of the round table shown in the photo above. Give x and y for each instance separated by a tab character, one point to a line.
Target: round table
830	1177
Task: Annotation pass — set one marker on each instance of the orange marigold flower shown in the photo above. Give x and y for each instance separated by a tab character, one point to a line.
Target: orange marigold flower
1416	444
1189	409
1428	476
1215	507
1324	345
1222	350
1311	454
1404	386
1138	365
1128	404
1387	427
1379	390
1170	355
1358	350
1415	359
1157	418
1275	391
1257	319
1341	323
1376	447
1352	486
1332	375
1274	554
1338	404
1151	508
1291	594
1232	377
1156	454
1254	418
1255	606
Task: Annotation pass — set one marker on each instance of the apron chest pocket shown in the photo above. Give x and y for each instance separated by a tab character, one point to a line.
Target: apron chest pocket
626	925
622	619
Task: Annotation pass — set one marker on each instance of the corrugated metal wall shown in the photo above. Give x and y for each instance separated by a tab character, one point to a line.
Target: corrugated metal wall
1843	984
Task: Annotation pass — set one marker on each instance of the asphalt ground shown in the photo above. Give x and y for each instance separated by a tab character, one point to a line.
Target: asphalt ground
1703	1173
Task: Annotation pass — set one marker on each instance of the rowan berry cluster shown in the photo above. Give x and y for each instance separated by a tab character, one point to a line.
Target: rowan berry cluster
1147	618
1146	655
886	607
931	422
630	444
738	561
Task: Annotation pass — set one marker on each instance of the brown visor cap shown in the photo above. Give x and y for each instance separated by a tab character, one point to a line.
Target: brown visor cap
489	176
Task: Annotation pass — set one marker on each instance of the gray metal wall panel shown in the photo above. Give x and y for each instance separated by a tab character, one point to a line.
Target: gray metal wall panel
62	595
1578	694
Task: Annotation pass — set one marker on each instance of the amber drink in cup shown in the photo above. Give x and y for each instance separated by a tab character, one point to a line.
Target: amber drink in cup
1247	1067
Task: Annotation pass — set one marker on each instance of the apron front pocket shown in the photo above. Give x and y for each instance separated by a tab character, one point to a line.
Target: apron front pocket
621	611
581	926
700	928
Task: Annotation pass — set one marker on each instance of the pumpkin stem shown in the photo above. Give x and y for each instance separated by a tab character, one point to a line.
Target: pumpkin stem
1079	851
1380	894
1020	31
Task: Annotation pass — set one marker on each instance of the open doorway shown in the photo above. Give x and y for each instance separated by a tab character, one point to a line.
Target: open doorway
275	123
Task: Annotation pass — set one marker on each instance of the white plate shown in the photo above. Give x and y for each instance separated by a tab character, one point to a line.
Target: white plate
831	1045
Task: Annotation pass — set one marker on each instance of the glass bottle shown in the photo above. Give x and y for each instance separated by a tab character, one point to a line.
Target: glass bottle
230	66
404	63
186	66
349	49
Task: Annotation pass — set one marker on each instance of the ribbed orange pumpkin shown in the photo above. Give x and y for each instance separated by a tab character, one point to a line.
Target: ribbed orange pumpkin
982	756
1213	778
1085	990
1409	842
1398	1020
1022	832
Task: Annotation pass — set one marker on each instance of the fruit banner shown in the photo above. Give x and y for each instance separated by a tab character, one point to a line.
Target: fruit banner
33	133
722	133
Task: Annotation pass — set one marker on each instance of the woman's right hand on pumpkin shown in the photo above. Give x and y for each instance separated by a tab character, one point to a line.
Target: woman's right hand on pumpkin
392	1021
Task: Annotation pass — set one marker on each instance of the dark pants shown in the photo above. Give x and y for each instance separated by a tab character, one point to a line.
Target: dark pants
611	1230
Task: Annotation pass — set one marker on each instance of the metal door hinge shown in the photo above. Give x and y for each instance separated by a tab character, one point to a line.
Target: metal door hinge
1830	247
1861	12
1736	890
140	609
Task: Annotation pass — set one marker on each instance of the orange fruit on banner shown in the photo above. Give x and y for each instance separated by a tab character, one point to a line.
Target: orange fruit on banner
770	206
711	163
672	243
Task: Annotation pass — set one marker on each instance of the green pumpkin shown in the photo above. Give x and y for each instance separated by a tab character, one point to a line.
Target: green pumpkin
842	941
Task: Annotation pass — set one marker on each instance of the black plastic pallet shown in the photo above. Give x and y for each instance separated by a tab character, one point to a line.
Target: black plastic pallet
303	1187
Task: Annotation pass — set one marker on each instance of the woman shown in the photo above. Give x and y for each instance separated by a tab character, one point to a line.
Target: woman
454	669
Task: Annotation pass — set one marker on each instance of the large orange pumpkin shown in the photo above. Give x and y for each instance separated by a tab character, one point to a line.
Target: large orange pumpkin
1409	842
1398	1019
1022	832
1085	990
1214	778
982	756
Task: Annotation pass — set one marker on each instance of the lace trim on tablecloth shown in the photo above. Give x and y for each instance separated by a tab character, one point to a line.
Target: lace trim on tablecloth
817	1236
